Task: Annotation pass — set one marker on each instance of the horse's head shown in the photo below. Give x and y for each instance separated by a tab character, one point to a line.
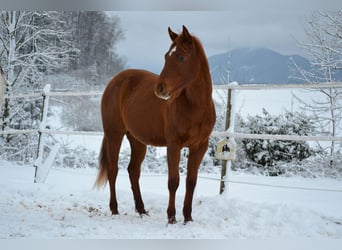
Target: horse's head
180	66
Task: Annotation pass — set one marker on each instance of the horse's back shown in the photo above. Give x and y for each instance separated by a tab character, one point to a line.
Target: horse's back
129	104
128	79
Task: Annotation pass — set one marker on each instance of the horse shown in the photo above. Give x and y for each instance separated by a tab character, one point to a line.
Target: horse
174	109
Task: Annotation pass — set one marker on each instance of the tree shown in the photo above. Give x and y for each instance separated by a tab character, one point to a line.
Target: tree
324	48
95	35
32	44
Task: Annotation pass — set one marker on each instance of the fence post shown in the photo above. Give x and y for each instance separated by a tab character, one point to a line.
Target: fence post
229	126
40	172
224	162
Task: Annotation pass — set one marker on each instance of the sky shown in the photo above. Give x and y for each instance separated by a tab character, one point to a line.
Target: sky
220	24
146	37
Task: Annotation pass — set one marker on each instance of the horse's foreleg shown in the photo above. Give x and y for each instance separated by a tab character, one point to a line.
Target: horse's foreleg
195	157
173	157
138	151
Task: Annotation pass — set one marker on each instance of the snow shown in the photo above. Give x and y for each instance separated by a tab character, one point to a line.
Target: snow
67	206
275	101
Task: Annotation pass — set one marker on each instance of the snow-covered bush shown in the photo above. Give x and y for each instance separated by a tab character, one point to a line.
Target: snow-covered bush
266	153
26	114
82	114
316	166
78	157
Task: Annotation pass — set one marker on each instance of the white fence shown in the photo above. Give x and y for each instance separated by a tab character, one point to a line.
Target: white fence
277	86
45	94
214	133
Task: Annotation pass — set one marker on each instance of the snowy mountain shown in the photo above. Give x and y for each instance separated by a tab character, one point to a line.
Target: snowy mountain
255	66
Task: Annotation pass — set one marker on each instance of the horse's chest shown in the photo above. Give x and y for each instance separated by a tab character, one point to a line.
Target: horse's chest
188	127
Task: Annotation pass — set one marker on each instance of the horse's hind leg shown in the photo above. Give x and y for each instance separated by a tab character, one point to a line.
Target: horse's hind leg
138	151
113	150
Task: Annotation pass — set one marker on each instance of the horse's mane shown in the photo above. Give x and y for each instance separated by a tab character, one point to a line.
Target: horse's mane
204	61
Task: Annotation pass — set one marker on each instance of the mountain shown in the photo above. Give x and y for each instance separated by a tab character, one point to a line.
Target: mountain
255	66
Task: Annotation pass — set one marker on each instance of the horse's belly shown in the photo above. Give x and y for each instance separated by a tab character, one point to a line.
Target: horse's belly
146	132
148	139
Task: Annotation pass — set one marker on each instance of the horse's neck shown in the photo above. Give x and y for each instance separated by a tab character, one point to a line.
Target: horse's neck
199	92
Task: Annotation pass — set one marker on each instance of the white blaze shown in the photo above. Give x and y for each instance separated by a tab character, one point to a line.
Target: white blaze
172	51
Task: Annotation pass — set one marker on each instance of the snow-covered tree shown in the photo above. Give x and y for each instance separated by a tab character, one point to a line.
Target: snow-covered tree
95	35
324	48
39	46
31	44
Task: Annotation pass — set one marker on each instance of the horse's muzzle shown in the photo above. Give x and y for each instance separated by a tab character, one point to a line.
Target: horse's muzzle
161	92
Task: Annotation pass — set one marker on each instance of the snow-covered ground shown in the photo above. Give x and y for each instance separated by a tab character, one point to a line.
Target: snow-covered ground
67	206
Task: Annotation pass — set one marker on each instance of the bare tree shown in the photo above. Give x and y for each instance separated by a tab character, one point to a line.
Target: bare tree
324	48
32	43
95	35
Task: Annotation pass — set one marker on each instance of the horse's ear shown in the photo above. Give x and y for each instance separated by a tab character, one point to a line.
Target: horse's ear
186	36
185	31
172	34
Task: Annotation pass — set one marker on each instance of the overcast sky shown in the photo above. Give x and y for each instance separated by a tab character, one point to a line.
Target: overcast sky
146	37
219	24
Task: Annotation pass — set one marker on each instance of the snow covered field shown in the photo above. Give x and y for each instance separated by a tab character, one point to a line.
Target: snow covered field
66	206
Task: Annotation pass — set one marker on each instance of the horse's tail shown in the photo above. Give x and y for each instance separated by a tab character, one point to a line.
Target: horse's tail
102	177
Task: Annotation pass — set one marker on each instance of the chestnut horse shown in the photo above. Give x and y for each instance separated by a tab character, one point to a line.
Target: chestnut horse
174	109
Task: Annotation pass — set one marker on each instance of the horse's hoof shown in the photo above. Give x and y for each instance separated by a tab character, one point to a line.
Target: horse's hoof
141	211
144	213
115	212
172	220
187	220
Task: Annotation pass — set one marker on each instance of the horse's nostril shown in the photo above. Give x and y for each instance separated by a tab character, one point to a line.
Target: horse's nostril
161	92
161	88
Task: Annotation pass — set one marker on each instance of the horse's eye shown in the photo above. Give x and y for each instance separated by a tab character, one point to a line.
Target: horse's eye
181	58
